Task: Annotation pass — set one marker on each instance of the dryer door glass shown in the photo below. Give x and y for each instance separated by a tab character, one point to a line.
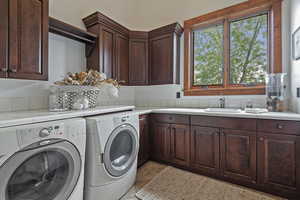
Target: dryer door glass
121	150
47	173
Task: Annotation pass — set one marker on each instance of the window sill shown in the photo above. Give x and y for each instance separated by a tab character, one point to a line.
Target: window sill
226	91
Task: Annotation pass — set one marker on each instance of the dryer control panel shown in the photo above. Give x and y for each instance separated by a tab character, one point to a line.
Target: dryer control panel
27	136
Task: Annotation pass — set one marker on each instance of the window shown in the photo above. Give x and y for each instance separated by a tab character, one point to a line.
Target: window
208	55
249	50
229	52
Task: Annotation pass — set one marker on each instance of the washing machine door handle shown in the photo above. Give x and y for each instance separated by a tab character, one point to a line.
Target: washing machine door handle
42	143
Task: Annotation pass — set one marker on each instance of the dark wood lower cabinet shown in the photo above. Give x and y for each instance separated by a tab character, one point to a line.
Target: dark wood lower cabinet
205	149
170	143
160	142
180	151
144	147
238	155
279	163
230	151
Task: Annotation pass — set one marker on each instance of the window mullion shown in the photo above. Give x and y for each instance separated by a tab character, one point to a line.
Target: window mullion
226	53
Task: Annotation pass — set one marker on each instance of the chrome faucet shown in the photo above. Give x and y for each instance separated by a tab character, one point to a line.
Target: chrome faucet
222	102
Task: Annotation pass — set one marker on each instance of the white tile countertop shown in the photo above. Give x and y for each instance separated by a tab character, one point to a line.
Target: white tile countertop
243	114
28	117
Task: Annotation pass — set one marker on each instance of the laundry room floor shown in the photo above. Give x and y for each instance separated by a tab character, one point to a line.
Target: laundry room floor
148	171
145	174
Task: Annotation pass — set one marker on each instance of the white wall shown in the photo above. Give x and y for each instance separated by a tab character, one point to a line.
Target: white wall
72	11
295	65
64	55
155	13
178	10
67	55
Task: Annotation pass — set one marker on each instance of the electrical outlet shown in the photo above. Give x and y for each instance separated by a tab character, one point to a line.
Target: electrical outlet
178	95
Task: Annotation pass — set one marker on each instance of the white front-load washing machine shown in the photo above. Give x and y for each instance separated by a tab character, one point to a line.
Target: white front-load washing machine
43	161
111	155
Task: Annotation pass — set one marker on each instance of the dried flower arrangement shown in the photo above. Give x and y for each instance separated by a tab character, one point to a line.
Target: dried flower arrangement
90	78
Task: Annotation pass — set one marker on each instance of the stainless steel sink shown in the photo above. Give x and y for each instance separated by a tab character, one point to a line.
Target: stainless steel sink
223	110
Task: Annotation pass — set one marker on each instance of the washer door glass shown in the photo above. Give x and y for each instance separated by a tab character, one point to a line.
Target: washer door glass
121	150
40	177
46	173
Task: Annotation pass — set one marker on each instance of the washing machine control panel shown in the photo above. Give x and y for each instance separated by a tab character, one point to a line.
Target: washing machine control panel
31	135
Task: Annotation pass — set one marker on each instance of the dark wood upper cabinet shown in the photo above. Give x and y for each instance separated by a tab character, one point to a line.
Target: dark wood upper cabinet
238	155
3	38
110	53
205	149
28	39
279	162
138	58
134	57
107	52
122	59
144	149
164	57
180	144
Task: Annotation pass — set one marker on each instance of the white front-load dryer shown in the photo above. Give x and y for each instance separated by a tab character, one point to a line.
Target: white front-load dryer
43	161
111	155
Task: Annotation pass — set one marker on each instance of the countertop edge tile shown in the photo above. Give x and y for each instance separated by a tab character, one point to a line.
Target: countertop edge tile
8	119
195	111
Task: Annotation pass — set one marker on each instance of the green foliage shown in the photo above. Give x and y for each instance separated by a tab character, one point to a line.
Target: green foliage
248	52
208	50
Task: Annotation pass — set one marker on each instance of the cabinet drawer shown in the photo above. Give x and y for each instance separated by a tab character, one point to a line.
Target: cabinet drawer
223	122
170	118
279	126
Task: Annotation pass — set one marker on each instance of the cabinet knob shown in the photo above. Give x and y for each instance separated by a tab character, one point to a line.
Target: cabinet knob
261	139
4	69
279	126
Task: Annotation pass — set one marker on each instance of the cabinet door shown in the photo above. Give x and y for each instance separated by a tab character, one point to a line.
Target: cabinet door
180	144
138	62
161	60
161	141
279	162
28	39
3	38
205	149
144	150
122	59
107	49
238	155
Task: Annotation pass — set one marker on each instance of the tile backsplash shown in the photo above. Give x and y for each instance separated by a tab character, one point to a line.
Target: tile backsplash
165	96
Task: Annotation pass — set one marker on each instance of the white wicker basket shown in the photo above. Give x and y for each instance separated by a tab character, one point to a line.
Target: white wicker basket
74	91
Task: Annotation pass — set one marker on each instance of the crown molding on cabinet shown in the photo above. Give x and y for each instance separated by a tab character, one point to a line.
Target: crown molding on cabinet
99	18
168	29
